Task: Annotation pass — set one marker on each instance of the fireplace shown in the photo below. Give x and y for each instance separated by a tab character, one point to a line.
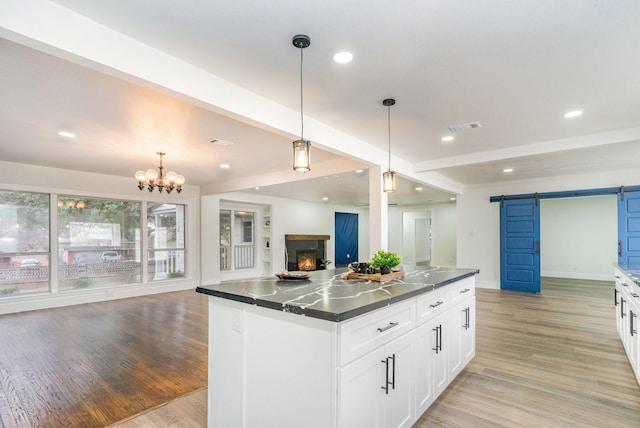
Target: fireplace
305	252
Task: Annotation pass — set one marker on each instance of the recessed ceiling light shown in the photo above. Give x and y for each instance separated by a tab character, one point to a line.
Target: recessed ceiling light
447	138
419	189
343	57
507	170
225	166
452	198
325	198
257	188
574	113
66	134
359	171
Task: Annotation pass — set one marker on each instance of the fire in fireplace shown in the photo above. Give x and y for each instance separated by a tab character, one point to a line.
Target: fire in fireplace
307	259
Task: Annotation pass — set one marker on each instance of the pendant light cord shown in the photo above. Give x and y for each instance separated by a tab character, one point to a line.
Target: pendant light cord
301	100
389	123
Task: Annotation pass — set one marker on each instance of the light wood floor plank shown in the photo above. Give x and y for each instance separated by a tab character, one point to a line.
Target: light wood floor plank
547	360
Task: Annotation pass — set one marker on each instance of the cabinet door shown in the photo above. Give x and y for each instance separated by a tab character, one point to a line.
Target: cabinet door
440	374
431	376
360	389
468	339
617	294
424	344
397	401
632	336
456	325
462	334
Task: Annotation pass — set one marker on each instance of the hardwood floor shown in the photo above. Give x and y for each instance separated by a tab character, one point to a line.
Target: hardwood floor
543	360
547	360
95	364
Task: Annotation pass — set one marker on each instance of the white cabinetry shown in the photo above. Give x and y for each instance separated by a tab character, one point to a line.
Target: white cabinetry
376	389
462	330
431	362
627	305
382	369
445	339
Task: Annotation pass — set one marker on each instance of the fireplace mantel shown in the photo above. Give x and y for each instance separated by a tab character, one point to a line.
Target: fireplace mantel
306	237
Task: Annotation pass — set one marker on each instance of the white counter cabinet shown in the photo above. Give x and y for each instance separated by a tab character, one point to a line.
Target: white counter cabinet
382	368
627	304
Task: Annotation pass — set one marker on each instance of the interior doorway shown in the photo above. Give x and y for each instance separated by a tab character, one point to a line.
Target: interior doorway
577	238
417	236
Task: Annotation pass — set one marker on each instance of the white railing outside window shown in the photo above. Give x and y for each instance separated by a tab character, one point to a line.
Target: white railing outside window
244	256
225	257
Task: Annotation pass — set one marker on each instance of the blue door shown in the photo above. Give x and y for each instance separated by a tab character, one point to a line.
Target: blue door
346	233
629	227
520	245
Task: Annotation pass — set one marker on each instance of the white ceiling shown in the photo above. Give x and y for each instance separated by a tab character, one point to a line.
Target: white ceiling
515	67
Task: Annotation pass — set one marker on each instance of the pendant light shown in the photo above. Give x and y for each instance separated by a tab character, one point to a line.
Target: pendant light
301	147
389	177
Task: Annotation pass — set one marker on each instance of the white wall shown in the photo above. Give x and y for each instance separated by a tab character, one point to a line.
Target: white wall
578	237
288	217
478	220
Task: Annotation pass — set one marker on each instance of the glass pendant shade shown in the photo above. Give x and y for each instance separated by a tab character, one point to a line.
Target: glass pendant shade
301	156
389	181
389	177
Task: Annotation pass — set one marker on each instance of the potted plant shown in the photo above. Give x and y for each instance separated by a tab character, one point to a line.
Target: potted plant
384	260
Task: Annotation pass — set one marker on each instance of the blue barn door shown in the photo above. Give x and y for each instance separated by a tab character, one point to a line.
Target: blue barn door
346	233
520	245
629	227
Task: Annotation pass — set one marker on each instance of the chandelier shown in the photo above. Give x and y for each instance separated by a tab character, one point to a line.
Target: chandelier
154	179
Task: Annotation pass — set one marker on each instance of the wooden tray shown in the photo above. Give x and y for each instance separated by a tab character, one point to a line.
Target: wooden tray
373	276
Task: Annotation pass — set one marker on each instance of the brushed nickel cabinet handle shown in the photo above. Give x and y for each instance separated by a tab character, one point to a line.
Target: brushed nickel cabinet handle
393	373
386	381
391	325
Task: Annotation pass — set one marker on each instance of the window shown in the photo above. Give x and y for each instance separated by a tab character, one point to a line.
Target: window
237	239
166	240
98	242
24	242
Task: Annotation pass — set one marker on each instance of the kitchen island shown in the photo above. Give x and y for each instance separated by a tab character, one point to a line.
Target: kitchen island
330	352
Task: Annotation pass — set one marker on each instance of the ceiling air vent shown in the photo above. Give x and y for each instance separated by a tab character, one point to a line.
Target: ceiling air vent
219	142
464	126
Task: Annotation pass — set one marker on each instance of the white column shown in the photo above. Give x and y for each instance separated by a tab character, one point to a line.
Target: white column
378	212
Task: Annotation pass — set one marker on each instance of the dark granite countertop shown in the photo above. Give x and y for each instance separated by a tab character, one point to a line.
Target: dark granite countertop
326	296
632	270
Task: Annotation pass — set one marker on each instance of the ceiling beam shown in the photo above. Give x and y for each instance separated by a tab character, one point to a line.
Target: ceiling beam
552	146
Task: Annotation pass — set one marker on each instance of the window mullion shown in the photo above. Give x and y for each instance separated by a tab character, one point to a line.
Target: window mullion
144	244
54	252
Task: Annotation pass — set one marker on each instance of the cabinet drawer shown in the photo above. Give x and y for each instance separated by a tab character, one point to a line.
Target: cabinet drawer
431	304
462	289
367	332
